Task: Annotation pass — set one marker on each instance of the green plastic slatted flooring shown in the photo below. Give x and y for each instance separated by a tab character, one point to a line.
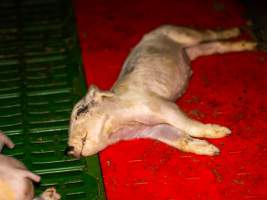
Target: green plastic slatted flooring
40	80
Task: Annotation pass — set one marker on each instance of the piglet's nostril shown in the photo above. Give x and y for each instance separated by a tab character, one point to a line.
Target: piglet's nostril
69	150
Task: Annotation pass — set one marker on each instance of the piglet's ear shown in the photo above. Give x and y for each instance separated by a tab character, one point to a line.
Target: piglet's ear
96	94
93	89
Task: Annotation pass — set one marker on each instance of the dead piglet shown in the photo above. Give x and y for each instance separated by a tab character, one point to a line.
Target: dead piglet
15	179
142	102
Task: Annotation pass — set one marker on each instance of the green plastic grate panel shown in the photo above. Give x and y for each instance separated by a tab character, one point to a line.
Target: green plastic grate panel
40	80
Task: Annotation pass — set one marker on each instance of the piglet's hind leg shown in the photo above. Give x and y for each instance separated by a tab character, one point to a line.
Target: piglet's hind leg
219	48
189	37
178	119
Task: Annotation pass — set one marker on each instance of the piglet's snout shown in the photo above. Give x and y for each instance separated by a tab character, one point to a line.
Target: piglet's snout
70	150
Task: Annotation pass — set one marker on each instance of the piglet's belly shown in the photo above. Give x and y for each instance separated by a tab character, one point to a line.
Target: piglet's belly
169	80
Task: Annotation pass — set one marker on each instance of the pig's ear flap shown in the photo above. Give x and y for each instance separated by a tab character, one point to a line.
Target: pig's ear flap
96	94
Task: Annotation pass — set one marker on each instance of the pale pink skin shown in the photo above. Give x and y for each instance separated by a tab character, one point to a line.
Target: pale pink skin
141	103
49	194
14	174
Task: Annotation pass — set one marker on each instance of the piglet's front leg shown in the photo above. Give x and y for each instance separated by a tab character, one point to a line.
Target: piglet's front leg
180	140
164	121
172	114
167	134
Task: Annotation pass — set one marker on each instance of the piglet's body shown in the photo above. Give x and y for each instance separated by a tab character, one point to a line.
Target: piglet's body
141	104
15	179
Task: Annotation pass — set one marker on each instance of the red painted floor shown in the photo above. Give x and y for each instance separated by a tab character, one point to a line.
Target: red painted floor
227	89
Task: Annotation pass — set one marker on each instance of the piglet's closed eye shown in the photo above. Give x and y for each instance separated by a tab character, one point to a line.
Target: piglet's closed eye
83	109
